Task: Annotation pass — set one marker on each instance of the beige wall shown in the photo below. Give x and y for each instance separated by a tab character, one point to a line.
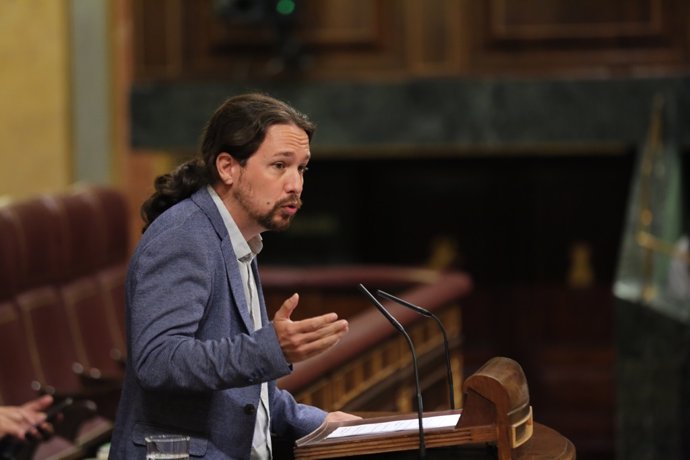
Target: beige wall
34	97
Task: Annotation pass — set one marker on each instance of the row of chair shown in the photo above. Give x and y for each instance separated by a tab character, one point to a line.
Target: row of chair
62	269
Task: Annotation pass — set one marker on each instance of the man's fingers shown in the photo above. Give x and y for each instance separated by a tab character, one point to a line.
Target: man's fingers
298	347
315	323
312	333
302	332
317	346
287	308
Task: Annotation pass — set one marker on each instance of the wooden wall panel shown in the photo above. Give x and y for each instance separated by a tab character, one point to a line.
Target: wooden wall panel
188	39
435	37
572	20
580	36
397	39
157	38
352	37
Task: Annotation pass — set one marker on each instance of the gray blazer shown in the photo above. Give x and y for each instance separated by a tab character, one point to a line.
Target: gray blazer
193	365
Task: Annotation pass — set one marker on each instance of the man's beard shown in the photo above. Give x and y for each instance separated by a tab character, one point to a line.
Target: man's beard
274	219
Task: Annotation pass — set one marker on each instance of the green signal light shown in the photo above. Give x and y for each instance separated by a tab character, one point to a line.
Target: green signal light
285	7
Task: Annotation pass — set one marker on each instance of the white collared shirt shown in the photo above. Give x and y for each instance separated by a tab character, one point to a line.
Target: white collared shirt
245	251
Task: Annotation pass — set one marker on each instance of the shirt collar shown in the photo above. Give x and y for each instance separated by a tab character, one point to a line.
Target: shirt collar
244	250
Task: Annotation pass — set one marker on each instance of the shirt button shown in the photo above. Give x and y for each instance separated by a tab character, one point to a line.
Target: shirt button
249	409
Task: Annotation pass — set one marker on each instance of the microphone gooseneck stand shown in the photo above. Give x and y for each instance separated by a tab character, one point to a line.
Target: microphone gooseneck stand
399	327
428	314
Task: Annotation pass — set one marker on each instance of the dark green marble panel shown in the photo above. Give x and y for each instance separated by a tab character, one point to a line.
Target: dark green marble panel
427	112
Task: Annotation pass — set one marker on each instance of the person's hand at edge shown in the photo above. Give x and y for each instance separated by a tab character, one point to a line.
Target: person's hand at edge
29	419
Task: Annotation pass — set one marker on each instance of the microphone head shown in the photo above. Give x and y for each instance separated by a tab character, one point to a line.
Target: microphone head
382	309
405	303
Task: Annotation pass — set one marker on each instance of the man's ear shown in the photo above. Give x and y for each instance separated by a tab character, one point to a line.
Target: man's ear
226	166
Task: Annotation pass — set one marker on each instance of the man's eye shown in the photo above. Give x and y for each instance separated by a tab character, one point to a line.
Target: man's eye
279	165
303	169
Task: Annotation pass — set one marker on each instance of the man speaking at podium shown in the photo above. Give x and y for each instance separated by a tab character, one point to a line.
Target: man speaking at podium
202	355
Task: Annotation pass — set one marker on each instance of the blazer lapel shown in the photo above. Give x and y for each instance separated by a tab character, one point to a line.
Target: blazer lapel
232	266
260	289
235	279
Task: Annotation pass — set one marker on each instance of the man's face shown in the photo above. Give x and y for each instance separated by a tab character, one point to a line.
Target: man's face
268	188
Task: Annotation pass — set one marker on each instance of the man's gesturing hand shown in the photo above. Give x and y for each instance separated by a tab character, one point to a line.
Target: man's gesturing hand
300	340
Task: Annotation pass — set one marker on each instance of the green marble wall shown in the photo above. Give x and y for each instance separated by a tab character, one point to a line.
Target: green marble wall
426	112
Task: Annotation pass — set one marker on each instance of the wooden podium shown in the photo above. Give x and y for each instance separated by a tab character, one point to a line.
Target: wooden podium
496	422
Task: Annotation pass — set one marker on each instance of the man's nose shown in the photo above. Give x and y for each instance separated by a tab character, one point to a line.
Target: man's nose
294	182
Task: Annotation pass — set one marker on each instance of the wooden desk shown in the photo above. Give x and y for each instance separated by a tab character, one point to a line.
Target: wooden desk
545	443
495	423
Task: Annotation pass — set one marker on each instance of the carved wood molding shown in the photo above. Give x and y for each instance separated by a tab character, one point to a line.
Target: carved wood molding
185	40
583	37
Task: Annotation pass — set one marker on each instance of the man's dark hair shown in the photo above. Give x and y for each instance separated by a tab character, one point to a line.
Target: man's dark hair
238	127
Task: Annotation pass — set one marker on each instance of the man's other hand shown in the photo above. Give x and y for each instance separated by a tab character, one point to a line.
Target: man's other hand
303	339
339	416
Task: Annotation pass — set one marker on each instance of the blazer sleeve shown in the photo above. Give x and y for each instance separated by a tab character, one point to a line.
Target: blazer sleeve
292	419
170	292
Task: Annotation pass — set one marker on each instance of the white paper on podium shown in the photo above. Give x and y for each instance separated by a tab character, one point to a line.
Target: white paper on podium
437	421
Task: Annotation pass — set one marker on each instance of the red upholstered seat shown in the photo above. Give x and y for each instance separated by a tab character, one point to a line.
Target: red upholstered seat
48	336
10	259
112	205
84	232
17	369
25	361
94	326
93	318
42	252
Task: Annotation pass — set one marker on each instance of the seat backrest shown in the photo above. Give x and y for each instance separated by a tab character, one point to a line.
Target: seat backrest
17	369
41	241
10	259
94	243
48	335
114	210
94	325
84	232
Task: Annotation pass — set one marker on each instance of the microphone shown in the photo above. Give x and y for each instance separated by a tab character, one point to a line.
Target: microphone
428	314
398	326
